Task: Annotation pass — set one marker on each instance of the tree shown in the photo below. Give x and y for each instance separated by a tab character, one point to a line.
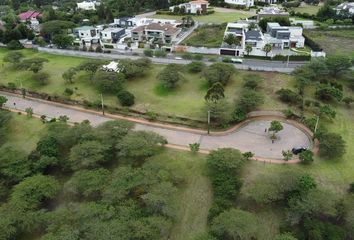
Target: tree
289	96
29	112
195	67
287	155
13	165
331	145
126	98
219	72
69	74
63	40
139	145
250	100
275	127
88	154
306	157
231	39
41	77
248	49
51	28
87	183
327	111
252	81
215	93
33	190
90	66
33	64
14	45
13	57
148	53
328	93
108	82
338	65
3	100
234	224
169	76
219	111
326	12
285	236
267	49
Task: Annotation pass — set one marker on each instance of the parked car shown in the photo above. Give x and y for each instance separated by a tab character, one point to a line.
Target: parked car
178	58
298	150
236	60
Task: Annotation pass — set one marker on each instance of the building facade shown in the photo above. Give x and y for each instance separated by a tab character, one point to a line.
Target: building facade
155	32
245	3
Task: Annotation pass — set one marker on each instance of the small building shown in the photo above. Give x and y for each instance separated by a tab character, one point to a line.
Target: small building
87	5
155	32
112	35
243	3
193	7
272	12
29	16
86	32
345	9
283	36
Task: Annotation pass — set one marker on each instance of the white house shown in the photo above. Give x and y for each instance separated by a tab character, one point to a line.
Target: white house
112	35
283	36
87	5
239	31
193	7
87	35
346	8
159	32
271	11
245	3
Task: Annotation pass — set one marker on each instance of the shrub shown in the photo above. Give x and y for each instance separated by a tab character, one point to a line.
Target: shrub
126	98
187	56
252	81
108	46
194	147
160	53
41	77
198	57
151	116
195	67
14	45
306	157
11	85
219	72
250	100
328	93
331	145
99	49
148	53
68	91
288	96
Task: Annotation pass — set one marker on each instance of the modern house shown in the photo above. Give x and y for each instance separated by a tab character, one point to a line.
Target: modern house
267	1
283	36
346	9
272	12
193	7
244	3
112	35
124	22
238	30
155	32
87	5
87	35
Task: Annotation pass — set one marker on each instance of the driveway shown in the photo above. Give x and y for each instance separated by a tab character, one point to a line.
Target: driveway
250	137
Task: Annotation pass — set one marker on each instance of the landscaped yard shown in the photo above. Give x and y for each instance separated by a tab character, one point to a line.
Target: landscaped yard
206	36
336	41
310	9
186	100
217	17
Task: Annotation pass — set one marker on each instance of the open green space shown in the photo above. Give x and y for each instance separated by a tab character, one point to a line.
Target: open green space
186	100
206	36
217	17
335	41
310	9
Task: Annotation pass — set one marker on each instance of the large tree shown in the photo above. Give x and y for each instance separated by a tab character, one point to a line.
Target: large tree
170	76
219	72
215	93
33	64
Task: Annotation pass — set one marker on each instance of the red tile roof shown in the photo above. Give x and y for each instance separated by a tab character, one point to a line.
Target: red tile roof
29	14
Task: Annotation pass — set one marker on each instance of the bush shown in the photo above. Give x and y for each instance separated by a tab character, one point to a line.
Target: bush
288	96
312	44
198	57
250	100
68	91
160	53
99	49
14	45
291	4
252	81
331	145
187	56
126	98
219	72
328	93
41	77
148	53
195	67
108	46
306	157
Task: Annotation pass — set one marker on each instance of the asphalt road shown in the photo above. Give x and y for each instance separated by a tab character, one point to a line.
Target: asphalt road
251	137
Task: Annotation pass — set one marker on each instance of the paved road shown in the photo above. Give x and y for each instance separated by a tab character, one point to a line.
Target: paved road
250	137
257	65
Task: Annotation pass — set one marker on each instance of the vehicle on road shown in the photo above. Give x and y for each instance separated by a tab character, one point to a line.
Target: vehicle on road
178	58
236	60
298	150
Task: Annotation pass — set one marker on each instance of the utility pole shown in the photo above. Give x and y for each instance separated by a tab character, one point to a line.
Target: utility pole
287	61
318	119
102	104
208	122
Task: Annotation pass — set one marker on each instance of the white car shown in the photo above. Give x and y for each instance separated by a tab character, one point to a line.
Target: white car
178	58
236	60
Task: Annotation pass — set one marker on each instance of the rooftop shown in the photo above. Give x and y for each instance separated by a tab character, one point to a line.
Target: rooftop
253	35
85	28
112	29
167	28
29	14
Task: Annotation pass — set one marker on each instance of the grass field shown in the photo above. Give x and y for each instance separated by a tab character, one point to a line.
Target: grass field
310	9
206	36
217	17
187	100
338	41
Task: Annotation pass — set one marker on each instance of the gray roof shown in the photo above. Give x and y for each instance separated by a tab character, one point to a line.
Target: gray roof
253	35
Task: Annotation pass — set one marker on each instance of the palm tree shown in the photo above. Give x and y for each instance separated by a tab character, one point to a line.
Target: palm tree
248	49
267	48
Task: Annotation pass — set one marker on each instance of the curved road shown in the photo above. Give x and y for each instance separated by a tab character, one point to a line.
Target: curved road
250	137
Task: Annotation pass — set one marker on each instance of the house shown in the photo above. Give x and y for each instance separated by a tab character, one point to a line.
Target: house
87	35
155	32
268	1
244	3
271	12
124	22
112	35
193	7
87	5
29	16
239	31
283	36
345	9
254	38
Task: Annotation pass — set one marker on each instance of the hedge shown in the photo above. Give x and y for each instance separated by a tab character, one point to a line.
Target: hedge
108	46
312	44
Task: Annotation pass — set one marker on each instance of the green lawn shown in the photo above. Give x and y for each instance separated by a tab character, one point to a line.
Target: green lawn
310	9
187	100
206	36
217	17
333	42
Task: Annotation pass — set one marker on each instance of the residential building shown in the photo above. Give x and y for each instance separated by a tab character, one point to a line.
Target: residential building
271	12
283	36
29	16
124	22
267	1
346	9
193	7
155	32
239	31
87	35
244	3
112	35
87	5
